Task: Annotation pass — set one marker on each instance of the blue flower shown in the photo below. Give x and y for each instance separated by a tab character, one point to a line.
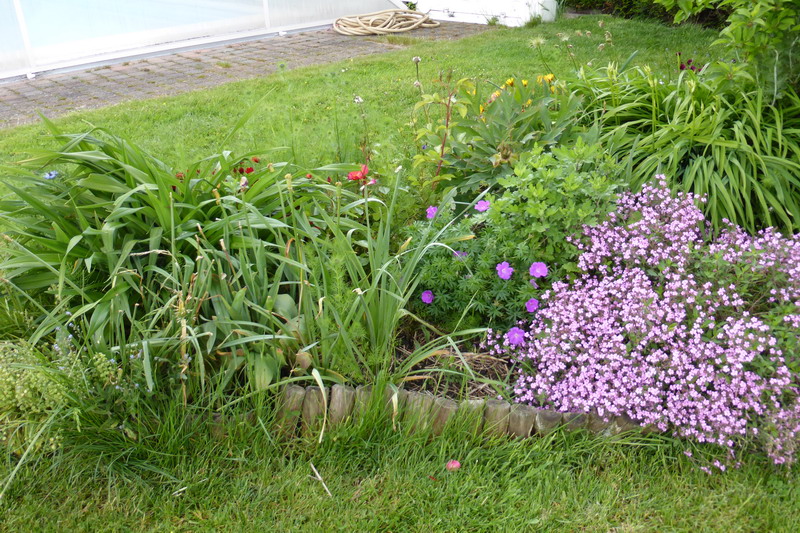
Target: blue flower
53	174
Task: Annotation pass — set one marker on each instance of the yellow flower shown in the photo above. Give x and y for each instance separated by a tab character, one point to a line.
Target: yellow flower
502	87
529	102
524	83
481	108
510	82
496	94
547	77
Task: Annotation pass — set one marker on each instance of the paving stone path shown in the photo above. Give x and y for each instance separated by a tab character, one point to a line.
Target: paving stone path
57	94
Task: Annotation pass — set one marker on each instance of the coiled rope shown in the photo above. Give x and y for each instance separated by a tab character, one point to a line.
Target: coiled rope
383	22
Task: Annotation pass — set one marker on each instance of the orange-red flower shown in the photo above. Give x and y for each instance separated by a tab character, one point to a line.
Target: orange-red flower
358	175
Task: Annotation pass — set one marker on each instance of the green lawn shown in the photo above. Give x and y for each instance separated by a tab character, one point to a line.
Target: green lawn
385	481
310	111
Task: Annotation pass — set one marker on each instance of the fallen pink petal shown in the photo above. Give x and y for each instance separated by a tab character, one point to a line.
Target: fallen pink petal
453	465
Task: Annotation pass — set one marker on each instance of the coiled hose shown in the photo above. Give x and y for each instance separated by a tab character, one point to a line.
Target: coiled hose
383	22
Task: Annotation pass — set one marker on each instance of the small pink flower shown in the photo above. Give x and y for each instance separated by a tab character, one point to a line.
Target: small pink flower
504	270
452	465
427	297
482	206
515	336
431	211
538	270
532	305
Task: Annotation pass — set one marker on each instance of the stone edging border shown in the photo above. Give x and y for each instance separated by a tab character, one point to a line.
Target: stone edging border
307	407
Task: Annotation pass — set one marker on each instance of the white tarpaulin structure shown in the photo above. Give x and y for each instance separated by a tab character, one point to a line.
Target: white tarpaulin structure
506	12
40	35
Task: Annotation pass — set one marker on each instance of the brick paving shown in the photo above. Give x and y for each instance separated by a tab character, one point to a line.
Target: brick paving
57	94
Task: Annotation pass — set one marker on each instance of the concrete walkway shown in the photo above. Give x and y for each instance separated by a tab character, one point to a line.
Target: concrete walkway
57	94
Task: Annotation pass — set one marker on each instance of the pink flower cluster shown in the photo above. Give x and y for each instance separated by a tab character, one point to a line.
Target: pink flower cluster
670	329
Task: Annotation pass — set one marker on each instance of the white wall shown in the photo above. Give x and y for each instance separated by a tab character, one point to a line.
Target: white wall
507	12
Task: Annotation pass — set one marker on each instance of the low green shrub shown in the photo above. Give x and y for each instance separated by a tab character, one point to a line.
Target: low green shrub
711	131
525	219
763	32
214	281
586	4
27	392
482	133
651	9
195	268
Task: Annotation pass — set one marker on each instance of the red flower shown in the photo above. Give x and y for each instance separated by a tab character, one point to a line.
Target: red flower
358	175
309	176
249	170
179	175
240	170
255	160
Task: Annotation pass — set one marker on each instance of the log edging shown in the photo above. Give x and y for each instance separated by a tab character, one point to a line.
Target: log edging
304	409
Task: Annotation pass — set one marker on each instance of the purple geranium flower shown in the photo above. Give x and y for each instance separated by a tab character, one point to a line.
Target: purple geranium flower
504	270
532	305
431	211
538	270
459	254
515	336
482	206
427	297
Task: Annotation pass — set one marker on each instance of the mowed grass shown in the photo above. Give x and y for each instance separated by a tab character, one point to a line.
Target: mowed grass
382	480
310	111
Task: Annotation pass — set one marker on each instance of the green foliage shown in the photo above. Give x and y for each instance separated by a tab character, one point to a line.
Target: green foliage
359	291
586	4
481	136
532	212
648	9
710	133
192	267
766	33
26	390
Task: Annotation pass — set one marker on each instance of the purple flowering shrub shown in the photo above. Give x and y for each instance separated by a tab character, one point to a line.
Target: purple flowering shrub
671	328
486	273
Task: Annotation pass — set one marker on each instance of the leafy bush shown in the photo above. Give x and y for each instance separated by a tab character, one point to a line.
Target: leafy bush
764	32
586	4
710	133
195	268
481	135
214	280
43	391
639	9
650	9
360	281
26	390
525	219
671	328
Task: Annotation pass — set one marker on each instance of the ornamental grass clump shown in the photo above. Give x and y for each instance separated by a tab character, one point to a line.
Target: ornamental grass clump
672	328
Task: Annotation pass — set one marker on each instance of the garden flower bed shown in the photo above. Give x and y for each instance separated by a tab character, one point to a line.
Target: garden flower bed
520	253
